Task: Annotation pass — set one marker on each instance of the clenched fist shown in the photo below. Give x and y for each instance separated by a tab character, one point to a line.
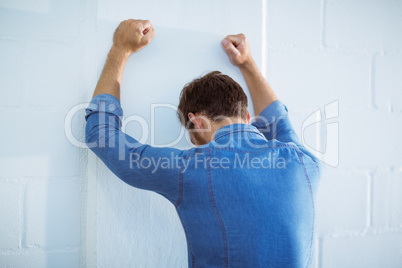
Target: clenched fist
132	35
236	47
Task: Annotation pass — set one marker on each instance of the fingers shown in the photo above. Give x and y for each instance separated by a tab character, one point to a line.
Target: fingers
132	35
146	29
237	49
149	34
236	39
146	23
229	46
143	26
146	26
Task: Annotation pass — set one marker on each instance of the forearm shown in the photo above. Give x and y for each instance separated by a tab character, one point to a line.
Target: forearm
110	79
261	93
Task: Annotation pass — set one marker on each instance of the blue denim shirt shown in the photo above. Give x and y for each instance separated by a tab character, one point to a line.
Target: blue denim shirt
246	199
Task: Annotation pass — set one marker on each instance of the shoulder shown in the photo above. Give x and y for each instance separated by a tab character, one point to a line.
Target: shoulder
310	162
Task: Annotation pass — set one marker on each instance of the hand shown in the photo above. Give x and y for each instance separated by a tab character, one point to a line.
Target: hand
236	47
132	35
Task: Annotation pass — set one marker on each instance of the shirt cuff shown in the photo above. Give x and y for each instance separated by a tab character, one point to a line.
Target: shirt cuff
272	113
106	103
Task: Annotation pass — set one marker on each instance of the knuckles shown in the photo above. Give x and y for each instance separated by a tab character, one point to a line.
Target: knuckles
242	36
130	34
146	41
135	23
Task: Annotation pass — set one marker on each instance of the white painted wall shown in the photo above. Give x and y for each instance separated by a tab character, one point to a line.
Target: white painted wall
60	206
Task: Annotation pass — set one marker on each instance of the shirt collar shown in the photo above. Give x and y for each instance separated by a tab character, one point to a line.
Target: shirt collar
238	128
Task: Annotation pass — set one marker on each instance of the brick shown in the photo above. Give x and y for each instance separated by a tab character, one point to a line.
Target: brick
12	72
369	139
35	145
363	24
387	199
388	82
40	18
53	213
382	250
342	201
307	79
41	259
10	211
293	23
53	75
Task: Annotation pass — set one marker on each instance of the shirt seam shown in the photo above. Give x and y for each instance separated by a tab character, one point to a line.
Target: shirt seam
312	202
216	211
181	185
188	239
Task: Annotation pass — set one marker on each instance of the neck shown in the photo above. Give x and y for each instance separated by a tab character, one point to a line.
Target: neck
226	122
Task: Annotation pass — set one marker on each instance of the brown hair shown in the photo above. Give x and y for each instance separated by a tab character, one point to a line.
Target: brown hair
215	95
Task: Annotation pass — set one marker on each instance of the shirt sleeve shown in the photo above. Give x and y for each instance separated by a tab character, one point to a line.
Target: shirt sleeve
274	123
139	165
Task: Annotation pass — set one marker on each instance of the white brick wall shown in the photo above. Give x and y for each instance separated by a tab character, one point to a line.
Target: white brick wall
387	199
11	74
367	250
323	78
369	25
56	223
56	210
43	70
11	213
342	202
293	23
387	76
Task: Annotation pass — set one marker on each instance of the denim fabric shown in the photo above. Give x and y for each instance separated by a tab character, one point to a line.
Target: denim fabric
246	199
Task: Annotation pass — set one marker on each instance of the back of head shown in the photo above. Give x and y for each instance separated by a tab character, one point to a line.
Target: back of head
215	95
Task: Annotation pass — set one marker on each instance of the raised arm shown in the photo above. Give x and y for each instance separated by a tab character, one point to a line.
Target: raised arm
272	115
131	36
237	48
139	165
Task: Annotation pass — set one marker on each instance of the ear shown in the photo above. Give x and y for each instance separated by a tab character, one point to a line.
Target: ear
248	118
196	121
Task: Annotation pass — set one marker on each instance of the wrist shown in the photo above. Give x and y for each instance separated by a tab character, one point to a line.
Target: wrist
248	67
119	53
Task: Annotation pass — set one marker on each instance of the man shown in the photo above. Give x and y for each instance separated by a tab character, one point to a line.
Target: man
245	194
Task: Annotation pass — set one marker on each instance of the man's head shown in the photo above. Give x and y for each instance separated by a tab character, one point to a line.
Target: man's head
210	102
